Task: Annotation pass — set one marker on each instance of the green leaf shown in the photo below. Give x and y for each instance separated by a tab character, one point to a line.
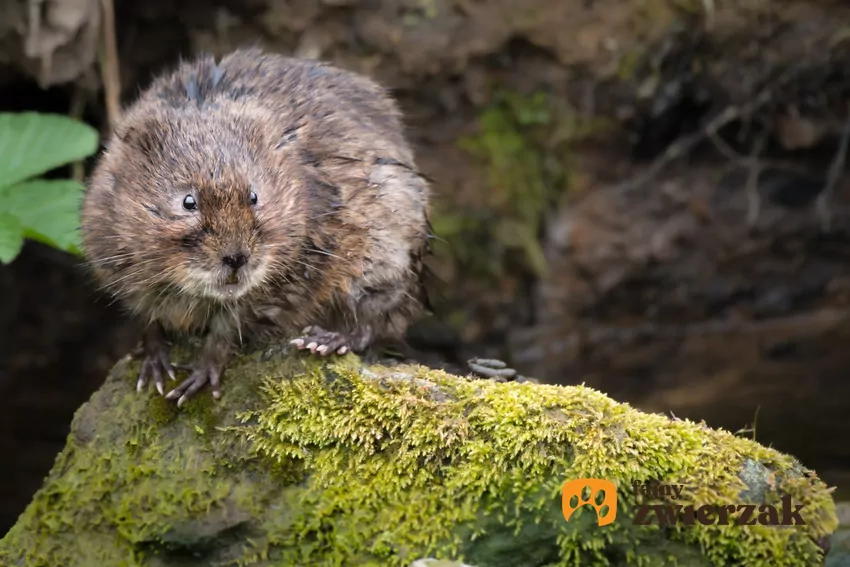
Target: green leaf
32	144
11	237
48	211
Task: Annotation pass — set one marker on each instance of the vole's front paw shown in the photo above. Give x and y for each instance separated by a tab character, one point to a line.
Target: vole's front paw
322	342
155	364
202	372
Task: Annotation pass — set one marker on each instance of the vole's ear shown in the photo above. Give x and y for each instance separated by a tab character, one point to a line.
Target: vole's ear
147	139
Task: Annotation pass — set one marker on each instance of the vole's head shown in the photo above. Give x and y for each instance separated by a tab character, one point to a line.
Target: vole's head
195	205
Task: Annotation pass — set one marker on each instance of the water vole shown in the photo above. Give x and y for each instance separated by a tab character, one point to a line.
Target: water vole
259	196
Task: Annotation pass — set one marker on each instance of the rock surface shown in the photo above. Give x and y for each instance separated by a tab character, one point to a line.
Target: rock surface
302	463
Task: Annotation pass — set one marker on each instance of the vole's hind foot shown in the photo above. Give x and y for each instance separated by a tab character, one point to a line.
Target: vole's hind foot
156	364
202	372
492	368
322	342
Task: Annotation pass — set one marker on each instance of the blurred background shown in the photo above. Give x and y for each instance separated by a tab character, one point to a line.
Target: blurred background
647	196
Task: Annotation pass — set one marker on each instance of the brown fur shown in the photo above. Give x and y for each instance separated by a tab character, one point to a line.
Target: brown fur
339	230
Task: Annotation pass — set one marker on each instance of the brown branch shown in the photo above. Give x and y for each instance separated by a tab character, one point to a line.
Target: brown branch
685	144
75	111
835	170
109	65
752	187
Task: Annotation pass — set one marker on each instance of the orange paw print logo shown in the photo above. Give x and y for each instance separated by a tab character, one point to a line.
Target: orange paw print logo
599	493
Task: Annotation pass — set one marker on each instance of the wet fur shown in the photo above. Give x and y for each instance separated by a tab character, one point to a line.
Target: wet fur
341	223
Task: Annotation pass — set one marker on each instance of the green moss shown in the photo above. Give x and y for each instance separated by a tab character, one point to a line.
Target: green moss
317	465
629	63
524	143
419	11
516	194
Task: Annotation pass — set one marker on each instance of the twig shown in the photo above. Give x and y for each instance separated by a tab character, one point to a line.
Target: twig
740	160
835	170
685	144
755	421
754	167
708	6
752	187
109	67
726	149
752	428
76	109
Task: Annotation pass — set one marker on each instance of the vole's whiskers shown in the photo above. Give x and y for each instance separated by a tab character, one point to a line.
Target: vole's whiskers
119	258
232	310
323	252
128	276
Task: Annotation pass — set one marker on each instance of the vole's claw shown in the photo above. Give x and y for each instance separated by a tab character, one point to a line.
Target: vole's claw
154	352
322	342
155	365
202	373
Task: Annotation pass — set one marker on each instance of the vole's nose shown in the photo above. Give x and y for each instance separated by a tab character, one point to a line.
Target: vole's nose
235	261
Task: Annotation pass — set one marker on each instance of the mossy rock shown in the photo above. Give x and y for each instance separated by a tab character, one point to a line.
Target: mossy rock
308	463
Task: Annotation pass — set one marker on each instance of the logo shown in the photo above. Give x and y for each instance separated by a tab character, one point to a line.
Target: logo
602	496
599	493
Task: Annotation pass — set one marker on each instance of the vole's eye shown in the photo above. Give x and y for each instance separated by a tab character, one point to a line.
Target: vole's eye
253	197
189	203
